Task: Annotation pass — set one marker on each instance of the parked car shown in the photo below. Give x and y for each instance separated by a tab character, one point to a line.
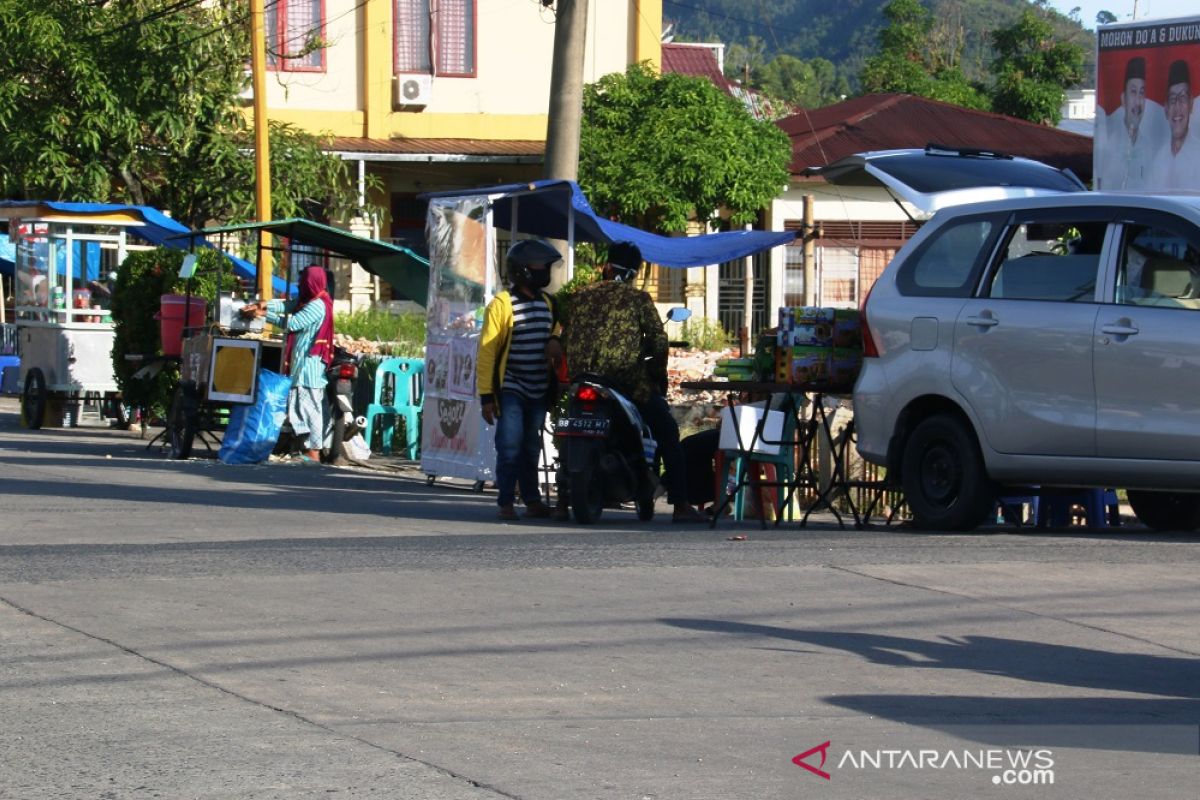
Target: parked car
1051	339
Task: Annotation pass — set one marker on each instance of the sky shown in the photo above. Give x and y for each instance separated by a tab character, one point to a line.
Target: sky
1123	9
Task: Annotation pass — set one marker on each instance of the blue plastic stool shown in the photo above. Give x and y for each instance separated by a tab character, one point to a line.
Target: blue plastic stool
1100	507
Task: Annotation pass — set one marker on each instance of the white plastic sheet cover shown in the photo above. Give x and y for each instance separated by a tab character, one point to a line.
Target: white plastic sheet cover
454	440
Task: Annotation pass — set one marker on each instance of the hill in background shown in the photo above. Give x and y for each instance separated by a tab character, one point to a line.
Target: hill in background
845	32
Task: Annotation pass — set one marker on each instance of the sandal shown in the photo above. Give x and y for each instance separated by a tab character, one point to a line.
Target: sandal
689	516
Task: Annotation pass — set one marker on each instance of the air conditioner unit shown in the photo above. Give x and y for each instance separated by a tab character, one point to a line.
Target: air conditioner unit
413	91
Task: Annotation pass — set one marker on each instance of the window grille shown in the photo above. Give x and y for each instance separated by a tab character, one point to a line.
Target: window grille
291	26
444	27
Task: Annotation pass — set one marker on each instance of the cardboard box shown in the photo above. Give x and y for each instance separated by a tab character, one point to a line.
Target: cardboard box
847	329
743	420
844	365
802	364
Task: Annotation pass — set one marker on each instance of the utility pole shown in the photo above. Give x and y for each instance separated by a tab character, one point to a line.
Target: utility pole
566	90
262	152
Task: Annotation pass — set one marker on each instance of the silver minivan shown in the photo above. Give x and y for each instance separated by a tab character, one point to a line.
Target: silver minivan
1050	339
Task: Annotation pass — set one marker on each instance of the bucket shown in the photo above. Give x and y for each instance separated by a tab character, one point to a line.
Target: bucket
171	321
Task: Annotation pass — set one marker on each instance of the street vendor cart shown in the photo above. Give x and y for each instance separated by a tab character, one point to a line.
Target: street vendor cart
64	257
221	359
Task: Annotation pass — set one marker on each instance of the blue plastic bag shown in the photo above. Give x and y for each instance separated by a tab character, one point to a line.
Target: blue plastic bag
254	429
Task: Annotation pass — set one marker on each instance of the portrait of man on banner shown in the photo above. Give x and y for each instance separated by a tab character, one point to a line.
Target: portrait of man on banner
1147	78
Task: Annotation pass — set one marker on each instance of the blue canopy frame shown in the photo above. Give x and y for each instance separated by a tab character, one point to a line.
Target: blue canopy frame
159	229
558	209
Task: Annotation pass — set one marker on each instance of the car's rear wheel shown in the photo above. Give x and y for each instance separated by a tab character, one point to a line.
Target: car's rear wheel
1166	511
945	483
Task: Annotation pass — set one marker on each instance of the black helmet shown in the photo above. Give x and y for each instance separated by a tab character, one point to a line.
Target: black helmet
525	254
626	260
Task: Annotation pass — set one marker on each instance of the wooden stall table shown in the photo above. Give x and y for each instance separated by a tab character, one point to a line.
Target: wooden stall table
806	404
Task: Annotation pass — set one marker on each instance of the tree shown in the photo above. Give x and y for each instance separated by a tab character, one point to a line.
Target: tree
658	151
1105	17
808	84
138	102
1033	69
919	55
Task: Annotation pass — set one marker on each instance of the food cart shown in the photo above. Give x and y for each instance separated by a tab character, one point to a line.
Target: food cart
64	257
220	359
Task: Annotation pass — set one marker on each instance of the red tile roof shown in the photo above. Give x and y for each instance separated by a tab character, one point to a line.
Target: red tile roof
892	121
696	60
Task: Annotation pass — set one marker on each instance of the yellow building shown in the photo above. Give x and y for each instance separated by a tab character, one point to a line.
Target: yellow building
436	94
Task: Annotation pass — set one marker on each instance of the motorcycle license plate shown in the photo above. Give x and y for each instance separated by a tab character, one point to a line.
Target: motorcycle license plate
582	426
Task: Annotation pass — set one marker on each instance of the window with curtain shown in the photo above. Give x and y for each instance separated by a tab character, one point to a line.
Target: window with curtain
435	36
294	29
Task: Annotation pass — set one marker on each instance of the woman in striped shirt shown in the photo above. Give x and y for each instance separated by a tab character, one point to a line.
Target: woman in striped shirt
307	353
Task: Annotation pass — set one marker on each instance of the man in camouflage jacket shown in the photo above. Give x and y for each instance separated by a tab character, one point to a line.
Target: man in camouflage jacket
613	328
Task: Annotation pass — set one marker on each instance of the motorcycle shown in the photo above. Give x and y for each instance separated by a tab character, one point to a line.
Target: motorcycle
609	452
341	375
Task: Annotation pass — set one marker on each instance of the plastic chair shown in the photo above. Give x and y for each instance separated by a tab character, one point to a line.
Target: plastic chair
768	474
399	392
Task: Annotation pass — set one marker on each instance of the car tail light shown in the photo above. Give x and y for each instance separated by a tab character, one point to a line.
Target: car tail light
869	348
346	371
587	394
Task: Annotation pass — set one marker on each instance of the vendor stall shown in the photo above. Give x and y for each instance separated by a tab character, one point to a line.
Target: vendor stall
465	230
221	358
64	255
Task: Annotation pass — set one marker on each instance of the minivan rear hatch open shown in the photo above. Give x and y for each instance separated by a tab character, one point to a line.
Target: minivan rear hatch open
937	177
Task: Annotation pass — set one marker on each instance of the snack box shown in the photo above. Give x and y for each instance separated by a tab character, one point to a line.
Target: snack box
802	364
844	365
847	329
806	326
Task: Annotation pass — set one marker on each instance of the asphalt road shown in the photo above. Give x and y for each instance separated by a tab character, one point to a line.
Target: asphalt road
189	629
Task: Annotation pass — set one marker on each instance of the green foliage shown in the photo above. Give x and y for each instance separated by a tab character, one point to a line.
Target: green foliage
1033	68
703	333
138	102
398	334
142	278
808	84
920	55
659	151
846	32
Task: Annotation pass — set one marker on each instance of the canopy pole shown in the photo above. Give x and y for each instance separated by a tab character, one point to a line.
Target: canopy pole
748	306
571	242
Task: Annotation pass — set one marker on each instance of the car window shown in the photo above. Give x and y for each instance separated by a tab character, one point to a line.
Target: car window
947	264
1049	261
1157	267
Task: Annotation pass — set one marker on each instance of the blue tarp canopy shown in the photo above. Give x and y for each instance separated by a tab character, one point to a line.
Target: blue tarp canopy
542	208
158	228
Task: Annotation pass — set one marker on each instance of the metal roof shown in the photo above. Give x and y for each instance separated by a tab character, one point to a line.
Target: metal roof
518	151
894	121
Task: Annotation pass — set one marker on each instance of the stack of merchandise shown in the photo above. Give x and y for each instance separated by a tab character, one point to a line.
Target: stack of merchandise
818	346
735	369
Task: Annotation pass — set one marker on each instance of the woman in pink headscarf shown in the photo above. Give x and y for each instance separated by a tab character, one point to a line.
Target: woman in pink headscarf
307	353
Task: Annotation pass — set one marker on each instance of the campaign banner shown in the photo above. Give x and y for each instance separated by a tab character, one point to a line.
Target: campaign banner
1147	135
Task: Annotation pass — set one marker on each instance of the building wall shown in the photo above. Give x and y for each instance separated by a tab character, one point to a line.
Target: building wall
833	205
507	98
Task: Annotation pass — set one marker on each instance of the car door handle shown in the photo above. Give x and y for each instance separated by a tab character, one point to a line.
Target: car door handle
983	322
1119	330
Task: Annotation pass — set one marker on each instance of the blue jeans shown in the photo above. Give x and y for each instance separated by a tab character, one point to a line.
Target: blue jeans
518	447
